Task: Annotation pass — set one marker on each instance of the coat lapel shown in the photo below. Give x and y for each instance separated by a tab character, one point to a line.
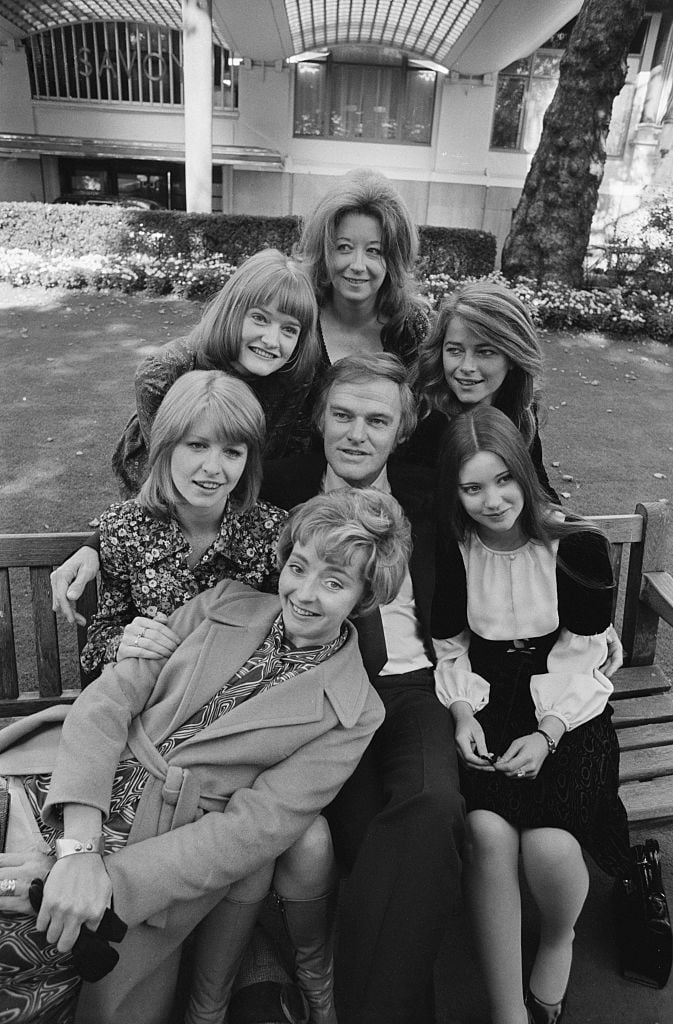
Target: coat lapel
231	635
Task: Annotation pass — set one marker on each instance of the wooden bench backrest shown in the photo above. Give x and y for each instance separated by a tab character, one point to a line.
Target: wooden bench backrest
54	675
637	540
638	546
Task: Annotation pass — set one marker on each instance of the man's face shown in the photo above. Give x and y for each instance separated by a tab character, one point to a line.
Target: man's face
360	429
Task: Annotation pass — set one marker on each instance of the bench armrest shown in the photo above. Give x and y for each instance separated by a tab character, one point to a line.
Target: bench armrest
657	592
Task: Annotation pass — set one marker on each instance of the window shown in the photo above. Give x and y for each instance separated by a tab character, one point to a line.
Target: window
121	62
355	100
526	88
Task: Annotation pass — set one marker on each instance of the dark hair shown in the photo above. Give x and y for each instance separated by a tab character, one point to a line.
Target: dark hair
268	277
349	523
360	370
486	429
366	192
231	408
495	314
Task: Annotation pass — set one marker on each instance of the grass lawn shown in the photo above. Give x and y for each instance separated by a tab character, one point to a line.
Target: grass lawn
67	389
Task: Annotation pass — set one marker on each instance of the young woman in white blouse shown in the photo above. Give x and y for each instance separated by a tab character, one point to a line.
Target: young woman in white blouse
523	602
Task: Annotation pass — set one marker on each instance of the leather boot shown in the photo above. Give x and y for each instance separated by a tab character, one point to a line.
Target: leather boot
220	941
310	928
544	1013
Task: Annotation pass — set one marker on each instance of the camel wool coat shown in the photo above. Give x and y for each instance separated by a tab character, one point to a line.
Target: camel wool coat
227	800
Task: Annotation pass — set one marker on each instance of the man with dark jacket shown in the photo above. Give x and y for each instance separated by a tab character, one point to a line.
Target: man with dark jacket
398	823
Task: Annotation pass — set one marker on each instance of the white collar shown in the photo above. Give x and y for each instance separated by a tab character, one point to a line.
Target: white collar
332	482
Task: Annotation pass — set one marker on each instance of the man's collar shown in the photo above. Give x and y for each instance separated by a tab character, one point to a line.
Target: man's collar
332	482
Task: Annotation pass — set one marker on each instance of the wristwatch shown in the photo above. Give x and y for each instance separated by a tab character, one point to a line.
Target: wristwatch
67	847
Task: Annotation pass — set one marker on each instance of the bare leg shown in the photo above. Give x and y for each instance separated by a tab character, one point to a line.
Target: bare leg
559	882
493	896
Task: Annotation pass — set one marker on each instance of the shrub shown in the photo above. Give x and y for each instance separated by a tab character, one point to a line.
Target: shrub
108	230
456	252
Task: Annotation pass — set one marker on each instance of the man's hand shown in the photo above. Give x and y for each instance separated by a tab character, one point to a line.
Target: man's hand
70	579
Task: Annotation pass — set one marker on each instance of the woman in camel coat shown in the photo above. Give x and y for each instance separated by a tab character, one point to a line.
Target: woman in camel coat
230	798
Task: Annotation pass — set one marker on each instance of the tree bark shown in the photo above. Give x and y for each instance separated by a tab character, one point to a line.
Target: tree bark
551	224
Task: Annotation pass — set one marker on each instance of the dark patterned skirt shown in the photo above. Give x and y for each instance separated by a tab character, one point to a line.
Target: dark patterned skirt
38	985
576	788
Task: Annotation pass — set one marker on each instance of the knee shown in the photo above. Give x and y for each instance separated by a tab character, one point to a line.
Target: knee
314	846
438	811
488	836
309	863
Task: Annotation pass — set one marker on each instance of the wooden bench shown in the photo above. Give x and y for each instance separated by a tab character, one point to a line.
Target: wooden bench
642	702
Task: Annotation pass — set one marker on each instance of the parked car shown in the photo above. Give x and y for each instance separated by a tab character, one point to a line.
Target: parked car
101	199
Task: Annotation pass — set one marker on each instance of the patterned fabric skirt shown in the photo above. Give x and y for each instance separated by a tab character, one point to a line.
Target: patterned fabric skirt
576	788
39	985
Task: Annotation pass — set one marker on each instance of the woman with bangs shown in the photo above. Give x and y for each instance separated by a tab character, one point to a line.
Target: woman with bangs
261	328
196	520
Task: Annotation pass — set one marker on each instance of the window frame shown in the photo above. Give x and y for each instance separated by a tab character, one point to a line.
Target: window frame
405	69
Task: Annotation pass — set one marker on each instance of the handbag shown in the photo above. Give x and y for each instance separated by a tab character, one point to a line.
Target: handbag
642	918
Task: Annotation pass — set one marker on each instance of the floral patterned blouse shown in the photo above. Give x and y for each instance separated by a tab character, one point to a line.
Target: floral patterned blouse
144	567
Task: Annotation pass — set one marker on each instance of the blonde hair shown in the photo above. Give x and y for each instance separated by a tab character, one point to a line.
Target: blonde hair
230	408
354	523
267	278
495	314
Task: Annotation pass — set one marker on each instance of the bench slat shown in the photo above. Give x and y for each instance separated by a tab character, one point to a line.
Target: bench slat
651	763
642	710
648	801
9	677
639	736
29	703
38	549
639	682
46	638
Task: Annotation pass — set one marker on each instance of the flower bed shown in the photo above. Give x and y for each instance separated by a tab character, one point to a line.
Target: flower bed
622	309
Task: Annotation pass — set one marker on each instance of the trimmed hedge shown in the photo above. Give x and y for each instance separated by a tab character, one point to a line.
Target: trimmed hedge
49	229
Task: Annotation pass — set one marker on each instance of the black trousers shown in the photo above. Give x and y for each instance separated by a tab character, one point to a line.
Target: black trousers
398	828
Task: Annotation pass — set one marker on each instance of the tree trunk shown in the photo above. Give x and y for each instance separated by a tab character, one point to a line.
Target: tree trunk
551	224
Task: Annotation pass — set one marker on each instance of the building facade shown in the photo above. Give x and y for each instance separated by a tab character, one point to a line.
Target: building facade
100	104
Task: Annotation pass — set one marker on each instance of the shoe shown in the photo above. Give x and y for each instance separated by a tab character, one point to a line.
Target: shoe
310	928
544	1013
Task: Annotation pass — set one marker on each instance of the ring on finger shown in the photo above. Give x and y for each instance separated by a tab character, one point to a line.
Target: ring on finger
7	887
520	774
138	638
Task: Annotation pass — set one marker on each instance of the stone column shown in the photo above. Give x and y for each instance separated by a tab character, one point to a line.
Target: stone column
197	50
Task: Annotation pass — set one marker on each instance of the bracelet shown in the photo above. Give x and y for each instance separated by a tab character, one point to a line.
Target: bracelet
67	847
551	745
